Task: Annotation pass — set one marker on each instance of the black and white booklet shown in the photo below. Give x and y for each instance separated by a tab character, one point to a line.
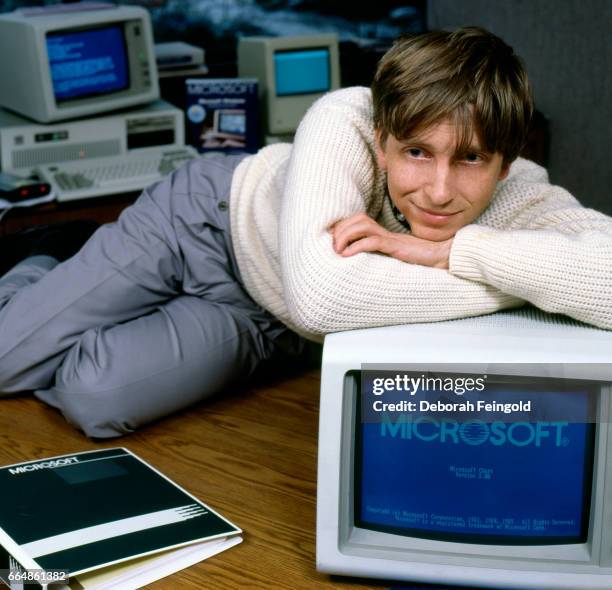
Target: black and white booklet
105	519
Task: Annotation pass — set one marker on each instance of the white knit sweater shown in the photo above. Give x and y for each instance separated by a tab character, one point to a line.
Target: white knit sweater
534	243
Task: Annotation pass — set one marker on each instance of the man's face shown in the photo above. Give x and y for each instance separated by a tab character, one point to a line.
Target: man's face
437	189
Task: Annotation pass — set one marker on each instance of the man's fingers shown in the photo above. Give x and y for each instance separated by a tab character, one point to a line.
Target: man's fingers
366	244
360	233
351	219
349	234
354	228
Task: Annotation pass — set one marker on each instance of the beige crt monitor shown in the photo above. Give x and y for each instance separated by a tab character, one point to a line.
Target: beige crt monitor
292	72
517	503
65	61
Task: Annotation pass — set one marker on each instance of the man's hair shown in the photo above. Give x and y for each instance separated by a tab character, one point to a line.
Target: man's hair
468	75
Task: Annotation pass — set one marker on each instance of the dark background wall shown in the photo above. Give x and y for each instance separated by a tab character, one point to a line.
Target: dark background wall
567	46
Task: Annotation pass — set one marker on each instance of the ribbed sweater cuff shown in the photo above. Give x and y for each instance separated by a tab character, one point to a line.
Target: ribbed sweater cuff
466	255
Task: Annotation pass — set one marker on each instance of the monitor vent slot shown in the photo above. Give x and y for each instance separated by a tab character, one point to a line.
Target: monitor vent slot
30	157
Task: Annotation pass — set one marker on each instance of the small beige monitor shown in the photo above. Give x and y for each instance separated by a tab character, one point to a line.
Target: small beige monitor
293	72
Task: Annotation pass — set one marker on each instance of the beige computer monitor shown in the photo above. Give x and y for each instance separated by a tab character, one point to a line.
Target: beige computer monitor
292	72
419	498
70	61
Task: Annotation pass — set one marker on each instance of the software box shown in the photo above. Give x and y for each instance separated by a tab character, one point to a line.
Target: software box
222	114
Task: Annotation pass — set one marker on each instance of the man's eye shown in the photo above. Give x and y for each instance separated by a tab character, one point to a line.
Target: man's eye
416	152
472	157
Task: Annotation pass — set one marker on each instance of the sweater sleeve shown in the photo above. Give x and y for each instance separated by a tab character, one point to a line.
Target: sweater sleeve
332	175
555	254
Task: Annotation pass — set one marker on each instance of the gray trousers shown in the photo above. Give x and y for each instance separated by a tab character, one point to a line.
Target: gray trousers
149	317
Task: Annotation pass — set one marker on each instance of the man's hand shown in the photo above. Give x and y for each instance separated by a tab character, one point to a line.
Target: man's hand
360	233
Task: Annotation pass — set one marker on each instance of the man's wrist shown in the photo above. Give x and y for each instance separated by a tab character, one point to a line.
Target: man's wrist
444	254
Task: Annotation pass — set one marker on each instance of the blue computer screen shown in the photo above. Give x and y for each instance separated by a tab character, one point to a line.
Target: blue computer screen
510	483
301	72
87	63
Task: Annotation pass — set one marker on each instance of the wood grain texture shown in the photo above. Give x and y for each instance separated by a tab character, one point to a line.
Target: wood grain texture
250	454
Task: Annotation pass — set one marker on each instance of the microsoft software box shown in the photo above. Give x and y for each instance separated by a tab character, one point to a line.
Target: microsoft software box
222	114
102	514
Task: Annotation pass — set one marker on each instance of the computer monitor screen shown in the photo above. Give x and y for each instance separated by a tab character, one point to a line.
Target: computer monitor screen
520	483
232	122
76	60
87	63
301	72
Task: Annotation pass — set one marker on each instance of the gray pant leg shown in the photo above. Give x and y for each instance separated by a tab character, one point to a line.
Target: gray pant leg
175	240
123	271
27	272
199	348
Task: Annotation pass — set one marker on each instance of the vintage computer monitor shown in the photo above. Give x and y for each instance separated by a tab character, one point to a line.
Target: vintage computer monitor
292	72
67	61
522	502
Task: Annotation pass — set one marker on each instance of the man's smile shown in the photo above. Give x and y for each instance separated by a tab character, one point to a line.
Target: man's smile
433	216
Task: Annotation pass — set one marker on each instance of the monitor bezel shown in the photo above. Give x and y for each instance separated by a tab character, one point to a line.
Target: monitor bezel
357	541
29	77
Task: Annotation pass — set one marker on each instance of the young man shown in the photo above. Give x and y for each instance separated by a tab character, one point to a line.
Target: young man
404	204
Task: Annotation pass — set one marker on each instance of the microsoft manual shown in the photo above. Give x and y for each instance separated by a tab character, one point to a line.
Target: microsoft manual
104	519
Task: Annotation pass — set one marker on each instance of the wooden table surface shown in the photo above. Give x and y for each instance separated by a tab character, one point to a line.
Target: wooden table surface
250	454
